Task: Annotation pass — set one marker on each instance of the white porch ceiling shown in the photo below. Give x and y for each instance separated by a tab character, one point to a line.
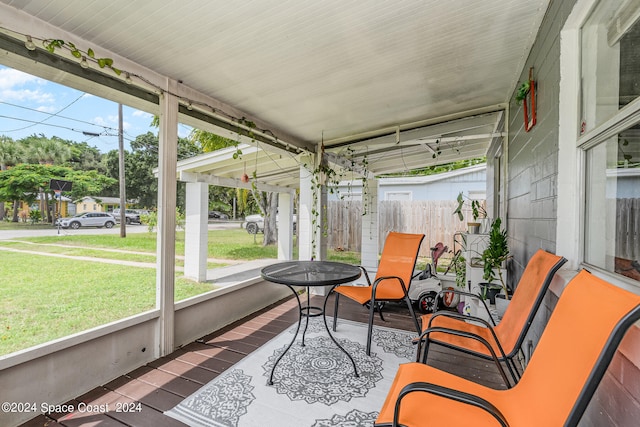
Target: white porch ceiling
349	73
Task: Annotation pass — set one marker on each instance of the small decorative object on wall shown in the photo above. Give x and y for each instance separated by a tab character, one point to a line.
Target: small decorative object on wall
527	94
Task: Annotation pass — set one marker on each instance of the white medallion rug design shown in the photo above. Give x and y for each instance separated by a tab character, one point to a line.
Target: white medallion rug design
313	385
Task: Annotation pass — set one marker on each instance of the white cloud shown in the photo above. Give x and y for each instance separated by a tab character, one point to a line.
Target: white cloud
16	86
143	114
46	109
9	78
100	121
110	122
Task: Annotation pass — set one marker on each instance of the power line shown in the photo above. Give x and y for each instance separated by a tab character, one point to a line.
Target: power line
51	115
104	133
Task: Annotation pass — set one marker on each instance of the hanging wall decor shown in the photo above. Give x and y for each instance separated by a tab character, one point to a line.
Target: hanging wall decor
527	95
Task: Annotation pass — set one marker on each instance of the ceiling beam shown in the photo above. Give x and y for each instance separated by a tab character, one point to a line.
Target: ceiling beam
389	133
211	179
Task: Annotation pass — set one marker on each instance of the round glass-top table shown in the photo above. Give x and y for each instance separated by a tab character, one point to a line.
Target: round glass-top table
308	274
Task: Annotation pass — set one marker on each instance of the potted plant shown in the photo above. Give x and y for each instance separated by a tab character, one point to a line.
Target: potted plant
493	259
477	211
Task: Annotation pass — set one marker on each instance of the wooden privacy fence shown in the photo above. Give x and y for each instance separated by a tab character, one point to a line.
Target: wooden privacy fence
628	229
433	218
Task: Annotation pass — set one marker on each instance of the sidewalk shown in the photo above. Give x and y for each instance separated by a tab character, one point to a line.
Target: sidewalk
237	271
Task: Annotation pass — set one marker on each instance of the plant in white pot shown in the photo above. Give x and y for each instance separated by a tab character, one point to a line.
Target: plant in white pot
493	259
477	211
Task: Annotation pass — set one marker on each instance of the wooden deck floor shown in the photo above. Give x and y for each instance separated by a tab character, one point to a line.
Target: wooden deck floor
158	386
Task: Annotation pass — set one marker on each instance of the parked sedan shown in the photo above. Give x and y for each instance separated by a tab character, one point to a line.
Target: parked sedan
254	224
87	219
217	215
131	216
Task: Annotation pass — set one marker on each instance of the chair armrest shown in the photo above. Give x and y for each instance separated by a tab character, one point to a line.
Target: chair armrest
457	315
380	279
469	294
366	274
425	336
447	393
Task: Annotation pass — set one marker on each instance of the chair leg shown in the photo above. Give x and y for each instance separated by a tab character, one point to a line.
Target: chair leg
514	372
335	311
413	314
372	309
380	305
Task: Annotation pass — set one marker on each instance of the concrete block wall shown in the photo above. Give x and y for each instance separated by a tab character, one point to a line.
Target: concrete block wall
532	217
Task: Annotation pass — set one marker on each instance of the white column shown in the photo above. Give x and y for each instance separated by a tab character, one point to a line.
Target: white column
370	228
285	226
166	250
322	229
305	236
196	231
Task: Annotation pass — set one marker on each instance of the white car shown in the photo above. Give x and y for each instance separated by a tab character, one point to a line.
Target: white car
131	216
87	219
254	224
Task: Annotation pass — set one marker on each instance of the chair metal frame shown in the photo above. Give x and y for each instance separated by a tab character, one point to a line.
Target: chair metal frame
371	290
557	385
497	353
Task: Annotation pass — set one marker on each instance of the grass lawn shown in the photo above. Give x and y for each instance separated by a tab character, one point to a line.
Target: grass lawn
8	225
44	298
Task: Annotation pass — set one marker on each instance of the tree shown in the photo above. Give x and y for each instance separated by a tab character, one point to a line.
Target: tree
24	182
210	141
40	149
267	203
10	154
84	157
142	185
45	151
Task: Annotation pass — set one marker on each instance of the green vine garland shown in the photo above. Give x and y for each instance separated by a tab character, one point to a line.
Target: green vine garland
52	44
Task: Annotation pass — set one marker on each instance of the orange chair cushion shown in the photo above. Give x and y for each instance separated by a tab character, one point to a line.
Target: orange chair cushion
515	317
422	409
398	259
580	327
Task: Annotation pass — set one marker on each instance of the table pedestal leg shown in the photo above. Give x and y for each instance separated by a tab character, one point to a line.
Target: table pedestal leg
294	335
324	317
306	312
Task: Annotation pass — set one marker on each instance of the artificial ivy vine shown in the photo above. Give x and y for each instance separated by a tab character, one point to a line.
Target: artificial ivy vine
52	44
248	124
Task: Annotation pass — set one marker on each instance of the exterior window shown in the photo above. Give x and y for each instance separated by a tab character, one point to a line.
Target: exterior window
403	196
612	232
610	129
610	61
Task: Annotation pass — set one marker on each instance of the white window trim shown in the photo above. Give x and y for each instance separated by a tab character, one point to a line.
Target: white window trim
571	154
406	193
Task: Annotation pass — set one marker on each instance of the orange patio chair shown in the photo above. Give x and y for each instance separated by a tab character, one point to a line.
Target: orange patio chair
392	280
571	358
501	342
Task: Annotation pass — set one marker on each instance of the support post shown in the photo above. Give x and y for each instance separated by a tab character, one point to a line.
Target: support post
166	228
196	231
285	226
370	234
305	236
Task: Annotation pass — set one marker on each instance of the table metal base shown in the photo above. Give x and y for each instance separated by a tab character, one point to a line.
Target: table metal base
311	311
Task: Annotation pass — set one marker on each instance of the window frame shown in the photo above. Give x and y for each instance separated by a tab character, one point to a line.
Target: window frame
625	118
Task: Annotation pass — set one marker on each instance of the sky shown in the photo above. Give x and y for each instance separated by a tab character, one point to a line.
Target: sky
31	105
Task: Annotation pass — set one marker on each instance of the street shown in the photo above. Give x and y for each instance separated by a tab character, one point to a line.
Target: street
131	228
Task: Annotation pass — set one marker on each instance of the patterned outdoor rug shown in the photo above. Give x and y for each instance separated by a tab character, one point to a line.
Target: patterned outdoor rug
313	385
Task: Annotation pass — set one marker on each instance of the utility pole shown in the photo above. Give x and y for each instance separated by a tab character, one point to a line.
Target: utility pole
123	194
